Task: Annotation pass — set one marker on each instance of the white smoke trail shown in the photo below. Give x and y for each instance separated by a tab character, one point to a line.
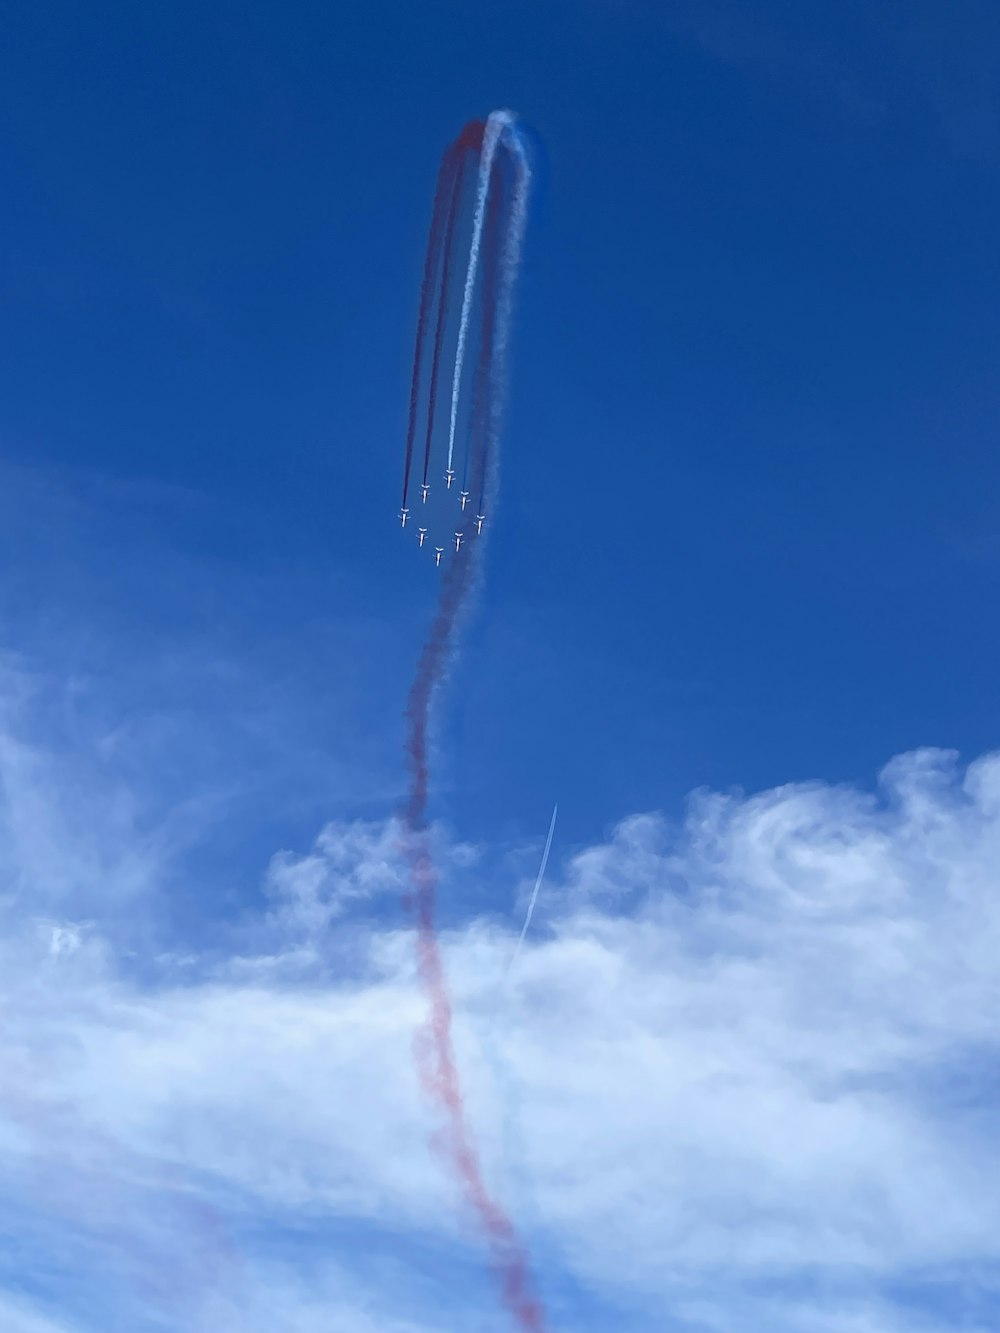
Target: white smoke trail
534	892
509	264
496	123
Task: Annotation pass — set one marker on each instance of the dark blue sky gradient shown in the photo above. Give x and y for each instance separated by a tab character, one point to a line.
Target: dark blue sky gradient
751	493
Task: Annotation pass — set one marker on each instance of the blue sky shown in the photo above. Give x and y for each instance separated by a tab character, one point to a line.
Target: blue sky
745	561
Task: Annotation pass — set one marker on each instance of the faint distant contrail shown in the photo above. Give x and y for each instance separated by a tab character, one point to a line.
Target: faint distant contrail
534	891
507	1095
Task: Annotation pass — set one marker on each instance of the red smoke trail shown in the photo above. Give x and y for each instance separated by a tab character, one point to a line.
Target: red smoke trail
470	137
436	1052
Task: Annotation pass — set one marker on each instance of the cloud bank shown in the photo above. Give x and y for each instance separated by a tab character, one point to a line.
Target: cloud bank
742	1076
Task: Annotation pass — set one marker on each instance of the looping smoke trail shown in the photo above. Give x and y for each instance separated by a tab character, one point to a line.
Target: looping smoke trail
442	312
470	137
509	263
496	123
426	289
485	379
435	1047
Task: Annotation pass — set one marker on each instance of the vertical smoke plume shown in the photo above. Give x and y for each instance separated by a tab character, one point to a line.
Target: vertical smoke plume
497	228
436	1051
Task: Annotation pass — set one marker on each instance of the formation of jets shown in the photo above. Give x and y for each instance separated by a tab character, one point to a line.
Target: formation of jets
404	517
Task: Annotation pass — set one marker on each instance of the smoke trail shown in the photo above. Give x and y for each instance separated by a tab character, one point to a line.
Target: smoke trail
435	1046
496	122
426	293
534	892
484	380
509	264
439	325
458	179
436	1052
470	137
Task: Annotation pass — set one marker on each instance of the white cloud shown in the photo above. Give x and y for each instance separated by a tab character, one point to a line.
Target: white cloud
751	1056
350	862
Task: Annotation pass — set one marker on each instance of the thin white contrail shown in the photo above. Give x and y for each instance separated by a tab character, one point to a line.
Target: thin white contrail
496	123
534	892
